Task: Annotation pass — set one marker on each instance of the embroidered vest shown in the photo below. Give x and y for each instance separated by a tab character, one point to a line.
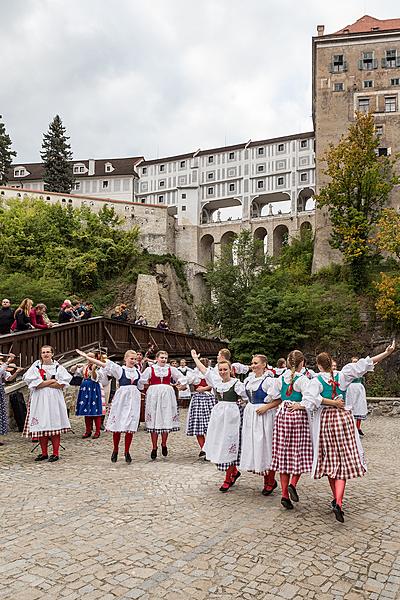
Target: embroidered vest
228	396
293	396
154	380
124	380
327	388
257	396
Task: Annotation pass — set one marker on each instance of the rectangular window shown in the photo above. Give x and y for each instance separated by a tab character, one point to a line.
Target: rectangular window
144	171
379	130
77	185
260	168
395	81
182	164
390	104
338	87
367	62
368	83
162	168
160	199
260	151
281	147
363	105
210	191
280	164
183	196
304	144
303	177
210	159
391	59
382	152
108	168
210	175
161	183
232	187
281	181
338	64
81	169
260	184
105	185
231	156
183	208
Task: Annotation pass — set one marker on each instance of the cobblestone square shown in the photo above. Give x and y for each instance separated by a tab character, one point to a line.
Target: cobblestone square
84	527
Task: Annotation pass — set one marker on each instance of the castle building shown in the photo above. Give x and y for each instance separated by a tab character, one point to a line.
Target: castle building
354	69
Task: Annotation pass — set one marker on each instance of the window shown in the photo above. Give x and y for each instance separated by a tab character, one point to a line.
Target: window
162	168
338	87
183	196
281	181
281	147
76	169
260	184
210	159
391	59
363	105
231	156
210	191
77	185
105	185
108	168
182	164
383	152
303	177
260	168
280	164
261	151
304	144
143	200
144	171
390	103
368	83
379	130
338	64
395	81
160	199
161	183
81	169
210	175
232	187
367	62
19	172
183	208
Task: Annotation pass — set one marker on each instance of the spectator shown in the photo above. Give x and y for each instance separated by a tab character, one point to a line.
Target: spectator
163	325
36	317
120	313
190	332
65	303
22	321
77	310
141	321
87	310
6	316
66	315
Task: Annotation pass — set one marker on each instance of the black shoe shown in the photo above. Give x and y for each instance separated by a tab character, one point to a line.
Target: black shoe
269	492
293	493
128	458
41	457
225	487
114	457
164	450
235	478
360	433
153	454
54	458
339	514
201	454
333	504
286	503
102	428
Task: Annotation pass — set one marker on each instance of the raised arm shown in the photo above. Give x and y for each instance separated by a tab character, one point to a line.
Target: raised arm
91	359
199	365
380	357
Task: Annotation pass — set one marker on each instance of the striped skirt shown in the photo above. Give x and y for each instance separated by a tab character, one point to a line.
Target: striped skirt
199	413
292	449
338	454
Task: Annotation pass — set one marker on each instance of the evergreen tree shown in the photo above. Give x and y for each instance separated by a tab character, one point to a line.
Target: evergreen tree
6	154
57	155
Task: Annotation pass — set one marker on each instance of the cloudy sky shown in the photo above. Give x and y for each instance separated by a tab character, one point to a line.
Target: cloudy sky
160	77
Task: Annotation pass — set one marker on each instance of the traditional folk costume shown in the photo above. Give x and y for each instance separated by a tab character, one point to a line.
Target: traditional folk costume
200	408
356	401
125	407
224	433
338	452
47	412
292	451
257	431
184	395
4	376
91	402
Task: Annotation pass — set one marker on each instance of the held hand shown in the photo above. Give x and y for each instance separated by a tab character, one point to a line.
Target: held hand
260	410
11	357
339	402
295	406
390	349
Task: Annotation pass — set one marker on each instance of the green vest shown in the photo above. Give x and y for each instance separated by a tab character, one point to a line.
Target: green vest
358	380
229	395
327	388
294	396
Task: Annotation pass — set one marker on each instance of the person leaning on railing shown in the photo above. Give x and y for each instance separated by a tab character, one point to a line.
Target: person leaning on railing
22	321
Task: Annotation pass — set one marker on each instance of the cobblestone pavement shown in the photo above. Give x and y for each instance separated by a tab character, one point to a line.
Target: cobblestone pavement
86	527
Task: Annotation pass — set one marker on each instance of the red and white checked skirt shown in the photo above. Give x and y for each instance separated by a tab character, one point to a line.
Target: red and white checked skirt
292	450
338	454
37	434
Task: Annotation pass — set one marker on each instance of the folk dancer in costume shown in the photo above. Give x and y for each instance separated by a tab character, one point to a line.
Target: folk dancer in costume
237	368
161	413
185	393
338	452
201	405
280	367
292	451
8	373
258	423
125	407
356	400
224	433
91	401
47	414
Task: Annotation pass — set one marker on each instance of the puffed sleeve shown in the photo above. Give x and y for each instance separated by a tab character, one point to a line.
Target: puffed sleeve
194	377
145	376
241	390
275	391
311	394
62	375
267	386
301	384
354	370
102	377
240	368
32	377
178	377
212	377
111	368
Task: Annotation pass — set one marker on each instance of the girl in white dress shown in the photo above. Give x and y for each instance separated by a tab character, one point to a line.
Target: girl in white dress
224	433
356	400
161	414
201	405
47	414
258	423
125	408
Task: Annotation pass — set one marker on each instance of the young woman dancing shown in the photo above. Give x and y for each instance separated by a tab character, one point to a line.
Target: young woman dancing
201	405
258	423
338	452
356	400
91	396
224	433
125	408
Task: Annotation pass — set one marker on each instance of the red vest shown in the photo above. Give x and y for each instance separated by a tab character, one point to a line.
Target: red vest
203	383
154	380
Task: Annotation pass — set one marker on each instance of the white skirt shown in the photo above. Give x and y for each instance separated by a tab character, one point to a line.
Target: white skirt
161	413
125	410
48	411
222	441
356	399
257	440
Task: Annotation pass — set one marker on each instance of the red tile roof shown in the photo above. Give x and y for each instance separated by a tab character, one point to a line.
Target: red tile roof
367	24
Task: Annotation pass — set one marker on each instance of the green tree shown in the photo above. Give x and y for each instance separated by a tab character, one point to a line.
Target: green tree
359	185
57	155
6	154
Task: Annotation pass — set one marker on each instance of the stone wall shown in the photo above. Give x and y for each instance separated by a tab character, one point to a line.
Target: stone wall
147	299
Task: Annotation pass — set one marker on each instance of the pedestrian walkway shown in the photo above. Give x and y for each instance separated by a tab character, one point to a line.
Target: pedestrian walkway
86	528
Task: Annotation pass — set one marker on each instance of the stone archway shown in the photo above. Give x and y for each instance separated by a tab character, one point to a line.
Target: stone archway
206	249
227	238
280	238
261	234
305	229
303	197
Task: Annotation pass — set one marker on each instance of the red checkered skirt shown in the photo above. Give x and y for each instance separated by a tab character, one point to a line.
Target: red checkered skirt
338	454
292	450
37	434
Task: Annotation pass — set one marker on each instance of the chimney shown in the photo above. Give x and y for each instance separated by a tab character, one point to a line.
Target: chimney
320	29
91	166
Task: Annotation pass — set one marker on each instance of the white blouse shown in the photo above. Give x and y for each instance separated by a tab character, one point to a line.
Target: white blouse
223	386
162	372
32	377
300	385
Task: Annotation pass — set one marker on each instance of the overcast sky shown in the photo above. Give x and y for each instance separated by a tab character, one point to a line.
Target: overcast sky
159	77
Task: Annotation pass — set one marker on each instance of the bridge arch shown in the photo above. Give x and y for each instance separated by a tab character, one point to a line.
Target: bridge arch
304	199
207	249
261	234
305	228
265	205
280	238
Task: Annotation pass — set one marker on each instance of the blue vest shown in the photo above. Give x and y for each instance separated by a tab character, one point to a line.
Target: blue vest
258	396
294	396
327	388
124	380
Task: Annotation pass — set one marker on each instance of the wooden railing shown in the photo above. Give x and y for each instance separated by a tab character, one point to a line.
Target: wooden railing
116	336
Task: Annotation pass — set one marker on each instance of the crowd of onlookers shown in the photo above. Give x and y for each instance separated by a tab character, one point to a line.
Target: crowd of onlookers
27	316
121	314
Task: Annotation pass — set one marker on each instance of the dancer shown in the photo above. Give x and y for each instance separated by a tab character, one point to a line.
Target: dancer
292	451
280	367
338	452
356	400
91	396
125	408
6	375
47	414
224	433
184	394
161	407
237	368
258	423
201	405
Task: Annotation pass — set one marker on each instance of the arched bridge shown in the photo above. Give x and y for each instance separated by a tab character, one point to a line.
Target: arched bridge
116	336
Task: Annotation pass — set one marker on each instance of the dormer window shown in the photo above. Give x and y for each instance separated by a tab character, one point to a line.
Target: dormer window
78	169
108	168
20	172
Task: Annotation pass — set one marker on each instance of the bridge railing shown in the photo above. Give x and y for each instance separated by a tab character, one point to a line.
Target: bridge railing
116	336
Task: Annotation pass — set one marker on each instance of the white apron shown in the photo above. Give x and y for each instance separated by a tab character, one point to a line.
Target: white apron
125	410
222	441
257	440
48	411
161	408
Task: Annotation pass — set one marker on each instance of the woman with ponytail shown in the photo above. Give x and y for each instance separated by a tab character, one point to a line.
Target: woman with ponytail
292	451
338	453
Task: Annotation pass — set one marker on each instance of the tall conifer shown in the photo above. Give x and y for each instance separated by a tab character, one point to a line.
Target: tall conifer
57	155
6	154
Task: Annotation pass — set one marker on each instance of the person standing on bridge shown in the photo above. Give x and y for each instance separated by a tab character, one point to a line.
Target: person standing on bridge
161	413
125	408
47	414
